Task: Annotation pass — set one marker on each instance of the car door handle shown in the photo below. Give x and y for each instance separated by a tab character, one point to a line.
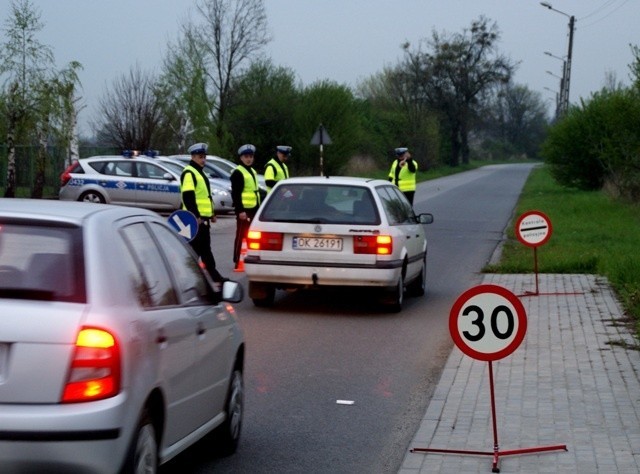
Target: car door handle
201	329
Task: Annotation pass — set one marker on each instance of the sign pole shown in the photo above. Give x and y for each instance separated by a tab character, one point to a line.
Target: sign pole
534	229
321	137
535	267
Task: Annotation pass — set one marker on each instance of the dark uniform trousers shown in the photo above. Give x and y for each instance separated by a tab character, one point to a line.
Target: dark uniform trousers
242	227
201	243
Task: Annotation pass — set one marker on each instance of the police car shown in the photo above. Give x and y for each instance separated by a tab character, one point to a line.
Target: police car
220	186
217	167
129	180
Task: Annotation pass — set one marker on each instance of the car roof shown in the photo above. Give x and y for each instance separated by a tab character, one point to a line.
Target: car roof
342	180
72	212
209	157
170	159
102	157
122	157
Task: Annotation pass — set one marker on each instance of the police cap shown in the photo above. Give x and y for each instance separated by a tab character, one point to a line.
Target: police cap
401	151
284	149
246	150
198	148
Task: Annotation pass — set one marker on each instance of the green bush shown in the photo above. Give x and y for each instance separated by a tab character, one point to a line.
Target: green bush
598	143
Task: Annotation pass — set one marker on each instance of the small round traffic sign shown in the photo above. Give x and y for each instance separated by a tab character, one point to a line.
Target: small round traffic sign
184	223
487	322
533	229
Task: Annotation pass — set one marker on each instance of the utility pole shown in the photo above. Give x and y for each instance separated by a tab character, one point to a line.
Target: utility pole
567	78
567	73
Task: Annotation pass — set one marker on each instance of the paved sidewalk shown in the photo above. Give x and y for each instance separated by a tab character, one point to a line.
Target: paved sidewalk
571	382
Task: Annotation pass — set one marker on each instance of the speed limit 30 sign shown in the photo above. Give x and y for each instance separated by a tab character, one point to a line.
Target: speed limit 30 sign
487	322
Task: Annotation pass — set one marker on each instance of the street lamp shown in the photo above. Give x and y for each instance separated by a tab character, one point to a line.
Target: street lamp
554	56
561	99
558	100
567	72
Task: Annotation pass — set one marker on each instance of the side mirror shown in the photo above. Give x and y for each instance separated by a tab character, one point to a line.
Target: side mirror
168	177
425	218
232	291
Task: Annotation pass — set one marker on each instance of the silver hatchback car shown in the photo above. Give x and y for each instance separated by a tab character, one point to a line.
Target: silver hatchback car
116	350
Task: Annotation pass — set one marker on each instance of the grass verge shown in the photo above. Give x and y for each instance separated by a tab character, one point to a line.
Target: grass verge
591	233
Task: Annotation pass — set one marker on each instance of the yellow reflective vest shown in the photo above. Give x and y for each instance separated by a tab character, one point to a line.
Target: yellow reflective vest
275	170
250	190
192	180
406	179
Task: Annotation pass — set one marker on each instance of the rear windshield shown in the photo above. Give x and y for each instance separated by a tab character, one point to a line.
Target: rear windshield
41	262
322	203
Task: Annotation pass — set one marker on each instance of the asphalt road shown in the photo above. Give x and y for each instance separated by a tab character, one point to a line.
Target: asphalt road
314	350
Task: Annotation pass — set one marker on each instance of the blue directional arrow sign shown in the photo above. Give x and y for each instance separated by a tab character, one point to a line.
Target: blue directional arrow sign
185	223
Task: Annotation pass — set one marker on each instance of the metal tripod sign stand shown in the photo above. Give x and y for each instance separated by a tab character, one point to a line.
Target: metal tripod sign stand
488	322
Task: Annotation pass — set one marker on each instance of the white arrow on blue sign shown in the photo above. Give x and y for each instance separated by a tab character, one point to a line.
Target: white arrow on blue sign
185	223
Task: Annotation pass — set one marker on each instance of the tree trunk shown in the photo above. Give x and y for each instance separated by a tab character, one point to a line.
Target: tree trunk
455	147
464	143
74	145
41	159
10	190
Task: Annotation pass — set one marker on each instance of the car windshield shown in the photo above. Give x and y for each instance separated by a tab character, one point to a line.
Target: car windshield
41	262
175	167
225	166
321	203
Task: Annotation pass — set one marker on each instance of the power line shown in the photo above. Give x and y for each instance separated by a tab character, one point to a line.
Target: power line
603	7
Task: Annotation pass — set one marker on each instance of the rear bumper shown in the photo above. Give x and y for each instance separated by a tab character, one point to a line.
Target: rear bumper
381	273
87	437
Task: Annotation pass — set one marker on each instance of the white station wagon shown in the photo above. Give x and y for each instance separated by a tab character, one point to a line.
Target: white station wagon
312	232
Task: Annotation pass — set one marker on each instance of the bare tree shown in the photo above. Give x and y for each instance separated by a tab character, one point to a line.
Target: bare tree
515	118
225	36
130	114
454	78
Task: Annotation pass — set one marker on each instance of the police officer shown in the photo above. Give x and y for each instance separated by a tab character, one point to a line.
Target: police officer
196	198
276	168
403	173
246	196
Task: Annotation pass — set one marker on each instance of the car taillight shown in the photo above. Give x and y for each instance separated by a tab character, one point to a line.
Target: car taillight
66	174
95	369
373	244
257	240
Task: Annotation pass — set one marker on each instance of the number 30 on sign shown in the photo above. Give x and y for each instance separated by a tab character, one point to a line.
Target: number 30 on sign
487	322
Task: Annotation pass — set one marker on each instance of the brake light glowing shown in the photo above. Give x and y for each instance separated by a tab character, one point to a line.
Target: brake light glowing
373	244
95	369
257	240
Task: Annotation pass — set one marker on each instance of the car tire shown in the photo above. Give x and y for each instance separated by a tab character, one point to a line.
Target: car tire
92	196
396	297
228	433
418	287
262	294
143	452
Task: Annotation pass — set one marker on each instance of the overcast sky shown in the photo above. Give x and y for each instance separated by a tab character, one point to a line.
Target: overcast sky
349	40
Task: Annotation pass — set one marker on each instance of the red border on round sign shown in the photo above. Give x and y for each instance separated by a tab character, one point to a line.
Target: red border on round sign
475	291
523	217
